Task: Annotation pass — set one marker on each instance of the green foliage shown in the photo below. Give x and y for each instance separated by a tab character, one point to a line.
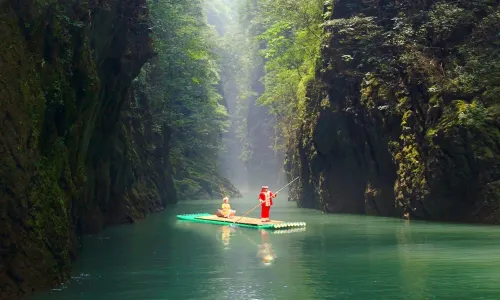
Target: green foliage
291	34
415	60
181	83
480	70
238	59
48	211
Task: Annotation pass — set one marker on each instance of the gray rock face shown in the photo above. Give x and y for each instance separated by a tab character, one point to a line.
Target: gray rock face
404	123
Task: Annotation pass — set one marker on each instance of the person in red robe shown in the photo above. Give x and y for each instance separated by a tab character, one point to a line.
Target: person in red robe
266	200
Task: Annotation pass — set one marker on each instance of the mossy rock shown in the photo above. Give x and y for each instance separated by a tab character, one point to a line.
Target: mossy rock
52	121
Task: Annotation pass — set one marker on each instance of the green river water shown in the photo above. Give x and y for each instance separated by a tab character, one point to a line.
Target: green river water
336	257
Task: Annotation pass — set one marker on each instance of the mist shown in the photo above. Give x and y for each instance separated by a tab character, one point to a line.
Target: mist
249	159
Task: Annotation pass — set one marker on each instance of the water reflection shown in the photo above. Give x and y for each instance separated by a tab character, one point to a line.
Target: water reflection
266	252
337	257
414	272
224	235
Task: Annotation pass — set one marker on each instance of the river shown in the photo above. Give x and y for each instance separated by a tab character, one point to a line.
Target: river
336	257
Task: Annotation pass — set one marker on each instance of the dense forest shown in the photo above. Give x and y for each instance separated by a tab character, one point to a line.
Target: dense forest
112	110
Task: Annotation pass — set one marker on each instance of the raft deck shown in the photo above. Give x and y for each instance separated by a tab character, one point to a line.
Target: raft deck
241	222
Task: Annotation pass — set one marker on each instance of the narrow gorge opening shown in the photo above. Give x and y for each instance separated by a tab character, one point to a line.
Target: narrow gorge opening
112	110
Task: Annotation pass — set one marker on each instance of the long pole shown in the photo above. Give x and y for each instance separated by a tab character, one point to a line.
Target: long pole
287	185
259	203
247	213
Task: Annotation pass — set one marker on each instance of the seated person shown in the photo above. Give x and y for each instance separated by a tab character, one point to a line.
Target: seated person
226	211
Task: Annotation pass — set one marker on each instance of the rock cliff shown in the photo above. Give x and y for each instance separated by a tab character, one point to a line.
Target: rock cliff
76	147
403	114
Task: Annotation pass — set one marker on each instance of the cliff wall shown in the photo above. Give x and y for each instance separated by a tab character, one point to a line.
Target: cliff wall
76	150
403	114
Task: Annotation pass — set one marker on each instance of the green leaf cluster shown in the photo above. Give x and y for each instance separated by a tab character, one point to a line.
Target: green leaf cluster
182	85
238	58
289	36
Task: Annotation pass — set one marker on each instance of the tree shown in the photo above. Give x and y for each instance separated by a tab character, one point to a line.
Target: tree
181	83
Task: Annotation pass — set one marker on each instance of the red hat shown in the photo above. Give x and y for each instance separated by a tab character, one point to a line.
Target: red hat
265	187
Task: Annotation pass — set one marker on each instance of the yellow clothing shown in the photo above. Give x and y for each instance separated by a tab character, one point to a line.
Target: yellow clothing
226	235
225	208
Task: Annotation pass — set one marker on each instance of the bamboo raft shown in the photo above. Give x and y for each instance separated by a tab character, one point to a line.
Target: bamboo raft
243	222
288	230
